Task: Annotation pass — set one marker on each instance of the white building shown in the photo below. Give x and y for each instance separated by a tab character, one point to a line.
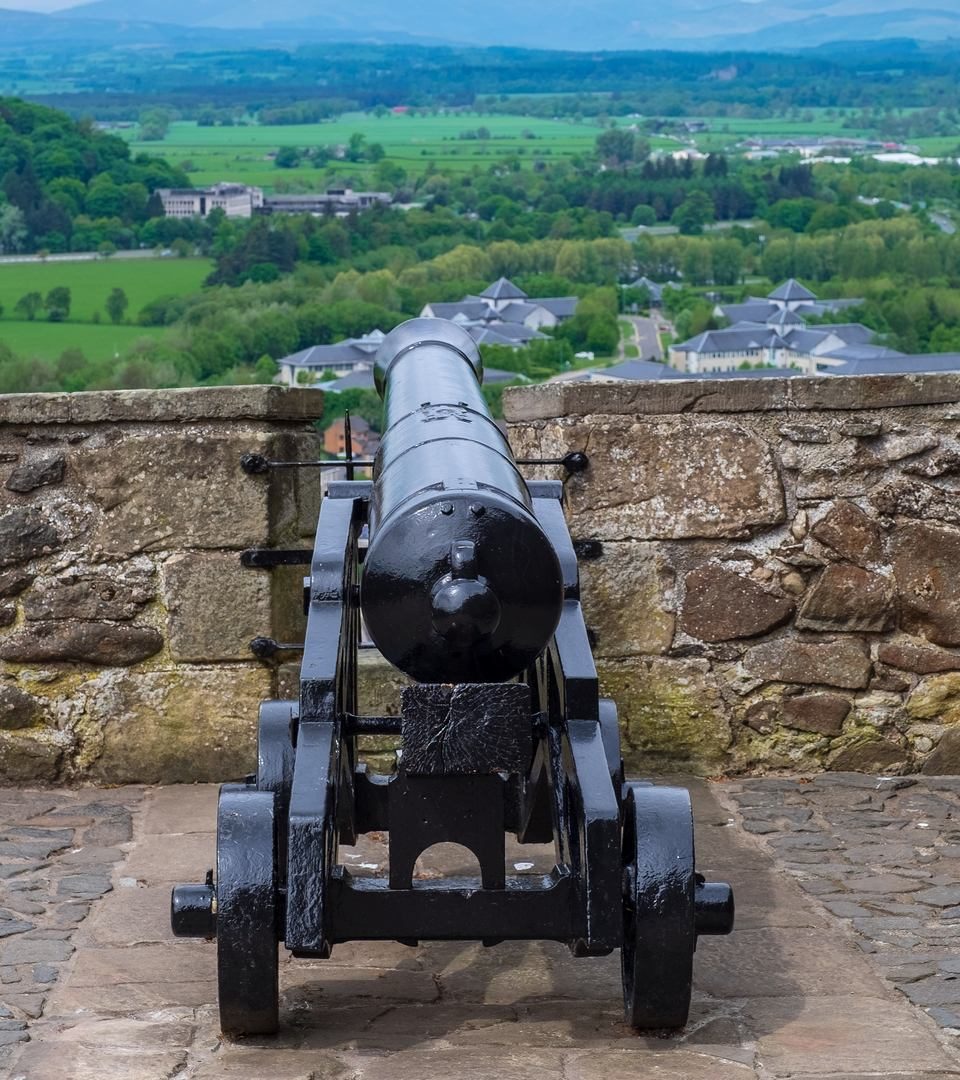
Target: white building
235	200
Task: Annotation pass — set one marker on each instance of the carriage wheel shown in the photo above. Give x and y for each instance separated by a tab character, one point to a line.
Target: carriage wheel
659	913
247	964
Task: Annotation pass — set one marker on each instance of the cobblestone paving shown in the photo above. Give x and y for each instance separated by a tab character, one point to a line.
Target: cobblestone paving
788	995
882	854
57	853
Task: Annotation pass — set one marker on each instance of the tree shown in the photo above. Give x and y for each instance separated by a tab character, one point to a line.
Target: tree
617	147
28	306
288	157
57	303
643	215
117	304
693	213
154	124
13	229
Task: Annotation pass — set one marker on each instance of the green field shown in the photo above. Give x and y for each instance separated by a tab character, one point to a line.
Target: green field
414	142
46	341
90	283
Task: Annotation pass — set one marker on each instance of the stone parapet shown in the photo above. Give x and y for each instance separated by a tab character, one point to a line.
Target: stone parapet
125	615
779	577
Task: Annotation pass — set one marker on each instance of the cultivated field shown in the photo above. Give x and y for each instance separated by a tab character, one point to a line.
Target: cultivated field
414	142
90	283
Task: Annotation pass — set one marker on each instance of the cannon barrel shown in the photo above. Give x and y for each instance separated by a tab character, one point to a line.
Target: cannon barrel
460	583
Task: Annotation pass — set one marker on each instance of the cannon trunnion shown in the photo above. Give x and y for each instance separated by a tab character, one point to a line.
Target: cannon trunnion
470	585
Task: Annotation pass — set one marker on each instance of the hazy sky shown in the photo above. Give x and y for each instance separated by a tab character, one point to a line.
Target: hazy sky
37	5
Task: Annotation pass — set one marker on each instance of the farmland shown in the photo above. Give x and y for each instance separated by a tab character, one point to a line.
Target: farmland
90	283
413	142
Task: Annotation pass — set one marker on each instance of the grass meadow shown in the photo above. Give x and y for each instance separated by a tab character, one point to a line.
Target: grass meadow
46	341
90	283
414	142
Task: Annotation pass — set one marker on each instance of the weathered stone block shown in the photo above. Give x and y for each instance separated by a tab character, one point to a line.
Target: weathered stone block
670	712
908	497
99	643
851	533
173	726
843	663
945	759
33	754
926	564
922	659
822	713
215	606
624	600
661	479
730	396
847	597
176	487
869	755
898	447
17	709
115	593
46	469
936	698
720	605
824	472
26	533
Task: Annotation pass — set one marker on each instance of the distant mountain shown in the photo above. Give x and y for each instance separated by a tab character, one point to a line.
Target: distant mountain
551	24
24	28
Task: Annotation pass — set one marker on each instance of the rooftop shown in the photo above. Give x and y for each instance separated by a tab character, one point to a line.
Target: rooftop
503	289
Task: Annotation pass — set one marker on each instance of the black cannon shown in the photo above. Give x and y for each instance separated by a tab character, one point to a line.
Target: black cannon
468	584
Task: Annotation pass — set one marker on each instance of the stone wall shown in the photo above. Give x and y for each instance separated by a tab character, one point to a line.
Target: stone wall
779	577
125	615
778	584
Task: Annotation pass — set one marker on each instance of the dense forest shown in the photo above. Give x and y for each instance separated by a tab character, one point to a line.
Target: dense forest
59	176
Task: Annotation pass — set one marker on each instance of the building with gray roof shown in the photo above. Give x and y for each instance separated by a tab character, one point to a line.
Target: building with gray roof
773	332
504	304
792	292
309	365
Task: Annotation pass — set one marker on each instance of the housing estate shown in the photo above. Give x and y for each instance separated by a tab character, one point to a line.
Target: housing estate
653	288
503	314
348	365
773	331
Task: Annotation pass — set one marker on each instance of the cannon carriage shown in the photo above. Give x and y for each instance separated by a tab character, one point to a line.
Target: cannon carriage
469	584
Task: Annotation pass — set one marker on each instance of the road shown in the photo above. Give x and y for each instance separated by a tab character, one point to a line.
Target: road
647	338
79	256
